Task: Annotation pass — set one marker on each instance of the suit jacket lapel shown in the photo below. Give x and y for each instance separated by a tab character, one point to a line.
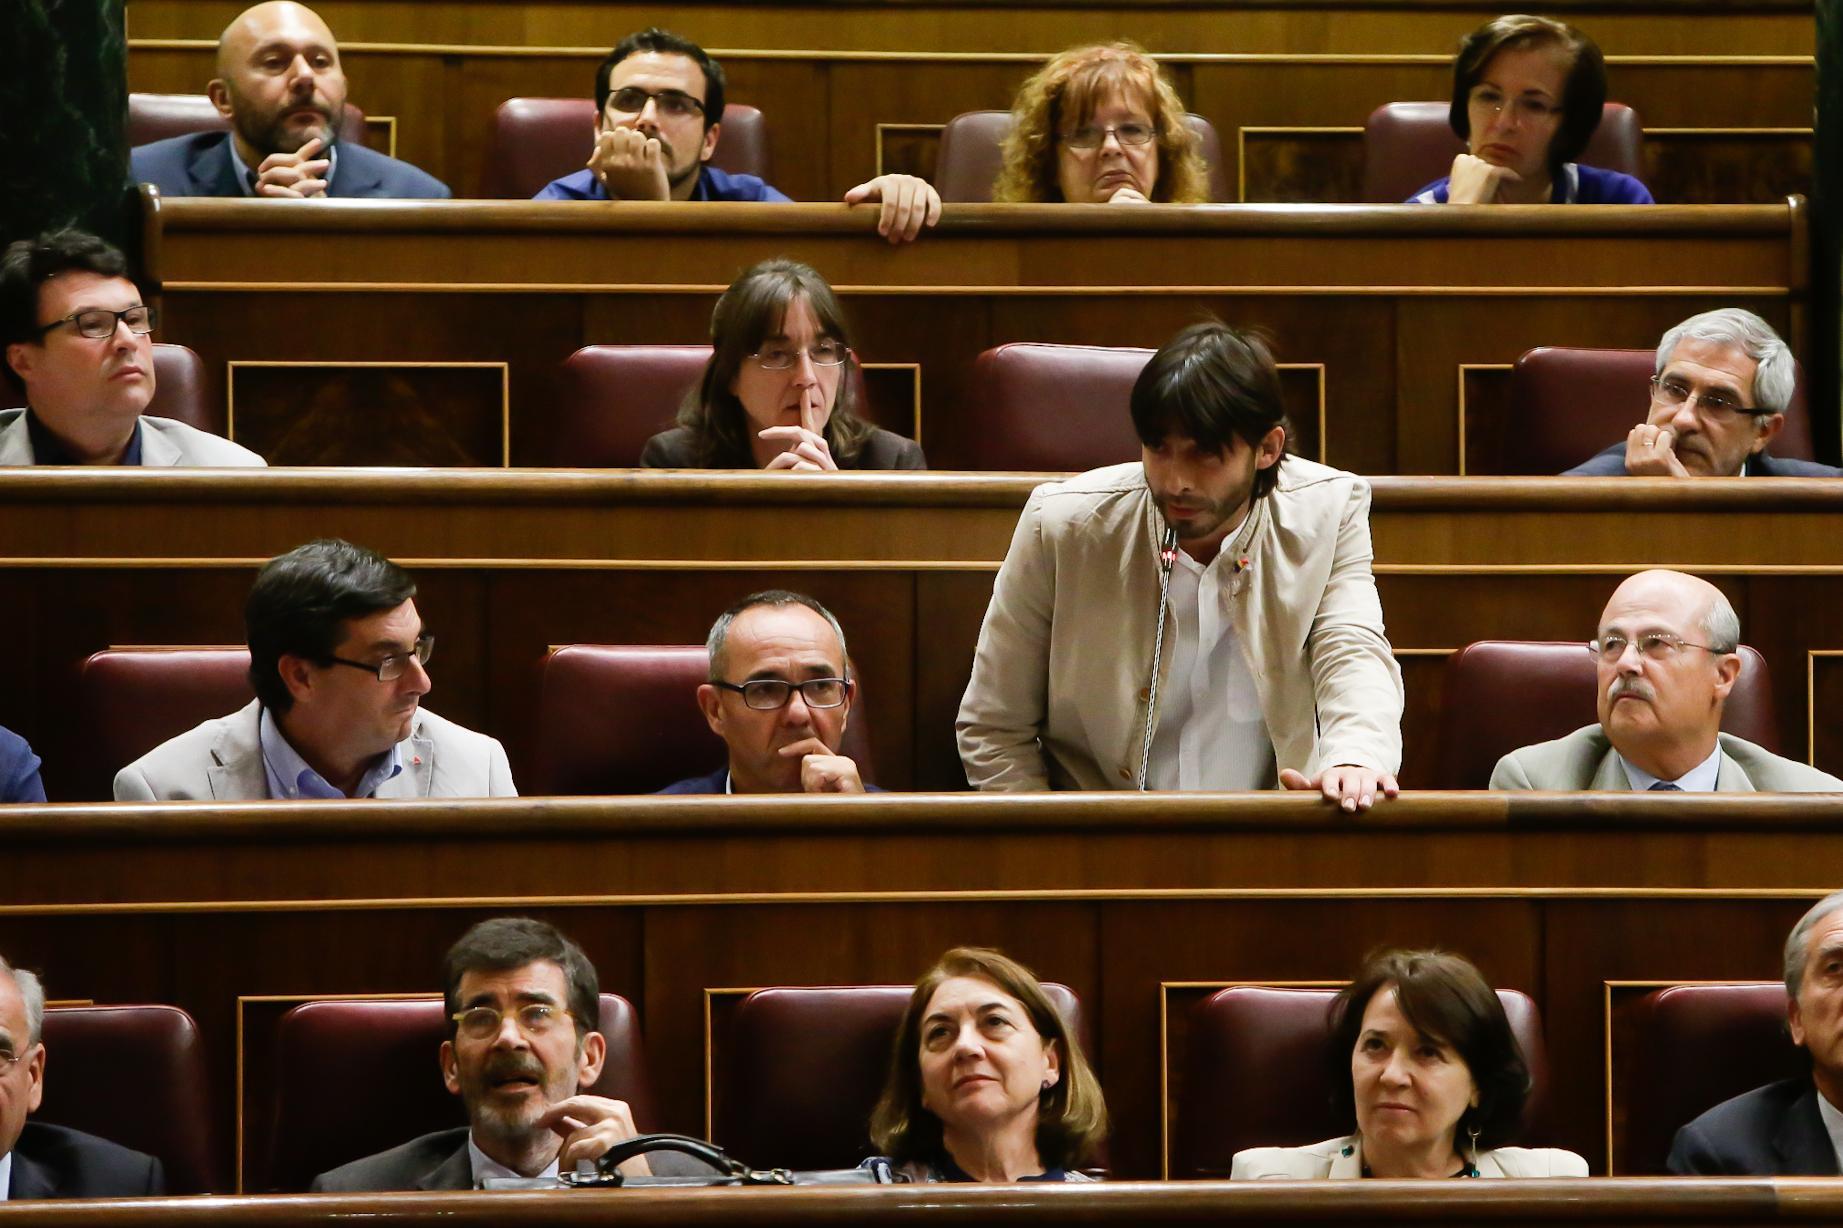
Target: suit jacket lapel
157	451
352	177
236	771
1610	775
30	1180
212	172
1802	1144
454	1173
418	754
1731	777
16	442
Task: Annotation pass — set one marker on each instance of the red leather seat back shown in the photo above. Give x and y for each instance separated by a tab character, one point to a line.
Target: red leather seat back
1408	145
135	1075
155	117
353	1078
613	398
1256	1074
806	1067
536	140
179	389
969	159
1569	404
1054	408
1503	694
624	718
1699	1045
132	699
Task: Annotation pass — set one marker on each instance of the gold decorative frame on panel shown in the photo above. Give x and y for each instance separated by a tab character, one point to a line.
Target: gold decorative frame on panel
1322	427
882	128
1463	368
710	1075
1241	146
915	384
1811	656
389	124
296	999
505	387
1164	1047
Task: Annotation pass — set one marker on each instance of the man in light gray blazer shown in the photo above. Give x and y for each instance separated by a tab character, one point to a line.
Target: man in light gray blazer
1667	658
337	656
76	336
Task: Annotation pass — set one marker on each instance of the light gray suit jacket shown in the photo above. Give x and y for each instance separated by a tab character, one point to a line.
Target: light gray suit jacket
1585	759
164	444
221	761
1338	1158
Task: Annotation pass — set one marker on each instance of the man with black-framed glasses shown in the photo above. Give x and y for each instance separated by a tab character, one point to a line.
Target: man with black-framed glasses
38	1160
79	351
779	695
1720	392
337	661
1666	656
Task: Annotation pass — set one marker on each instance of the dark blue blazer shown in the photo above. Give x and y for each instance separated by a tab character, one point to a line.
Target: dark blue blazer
1611	463
1771	1131
200	165
19	780
54	1162
714	783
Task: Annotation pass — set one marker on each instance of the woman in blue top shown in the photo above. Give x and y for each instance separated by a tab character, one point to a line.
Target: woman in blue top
1527	95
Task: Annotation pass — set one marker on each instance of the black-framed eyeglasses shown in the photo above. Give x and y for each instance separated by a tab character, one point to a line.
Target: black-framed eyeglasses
826	352
534	1019
1657	645
391	668
99	322
1093	136
769	694
631	100
1675	392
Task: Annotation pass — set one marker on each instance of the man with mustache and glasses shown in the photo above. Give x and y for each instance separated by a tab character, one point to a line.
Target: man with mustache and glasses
658	116
1666	655
1205	618
281	86
78	343
1720	395
523	1005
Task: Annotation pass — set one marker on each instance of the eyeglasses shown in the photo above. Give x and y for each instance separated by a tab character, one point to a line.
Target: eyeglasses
98	322
770	694
1656	645
8	1059
675	104
391	668
534	1019
1093	136
1676	392
1484	98
825	353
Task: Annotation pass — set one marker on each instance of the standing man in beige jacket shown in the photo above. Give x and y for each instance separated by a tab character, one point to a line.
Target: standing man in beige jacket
1206	619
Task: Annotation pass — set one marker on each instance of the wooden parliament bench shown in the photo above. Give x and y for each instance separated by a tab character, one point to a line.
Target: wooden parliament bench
851	89
1399	323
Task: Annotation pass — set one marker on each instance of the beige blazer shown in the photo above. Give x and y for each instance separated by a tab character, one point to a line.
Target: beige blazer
164	444
221	761
1060	681
1585	759
1336	1159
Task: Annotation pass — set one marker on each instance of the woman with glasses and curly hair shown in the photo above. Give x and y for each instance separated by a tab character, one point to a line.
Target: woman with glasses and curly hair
1101	125
778	391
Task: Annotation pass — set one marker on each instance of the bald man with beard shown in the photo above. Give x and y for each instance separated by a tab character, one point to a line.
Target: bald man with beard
1667	657
281	86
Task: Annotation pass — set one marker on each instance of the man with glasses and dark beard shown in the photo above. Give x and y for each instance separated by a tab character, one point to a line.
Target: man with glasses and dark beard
281	86
658	116
779	696
1666	656
77	338
523	1006
337	661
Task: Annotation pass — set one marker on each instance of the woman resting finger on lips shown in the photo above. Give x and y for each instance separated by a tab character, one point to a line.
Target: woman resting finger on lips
987	1082
780	390
1528	93
1427	1066
1101	125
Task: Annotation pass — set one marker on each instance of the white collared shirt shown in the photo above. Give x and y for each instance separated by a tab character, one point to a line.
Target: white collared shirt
1211	733
1699	779
1833	1126
485	1166
6	1176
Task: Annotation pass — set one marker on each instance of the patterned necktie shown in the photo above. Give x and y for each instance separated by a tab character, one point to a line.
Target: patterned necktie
1664	786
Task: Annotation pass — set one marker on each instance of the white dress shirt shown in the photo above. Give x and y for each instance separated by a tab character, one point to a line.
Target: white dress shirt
485	1166
1699	779
1833	1126
1211	734
6	1176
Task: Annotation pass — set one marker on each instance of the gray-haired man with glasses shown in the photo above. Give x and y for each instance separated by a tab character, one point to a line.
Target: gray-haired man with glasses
779	696
1667	655
1722	387
77	337
337	661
